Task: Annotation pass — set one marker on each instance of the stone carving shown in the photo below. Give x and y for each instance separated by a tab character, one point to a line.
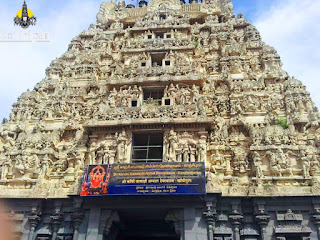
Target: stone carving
182	95
257	162
6	169
102	153
122	143
122	97
220	97
172	145
180	148
279	163
291	222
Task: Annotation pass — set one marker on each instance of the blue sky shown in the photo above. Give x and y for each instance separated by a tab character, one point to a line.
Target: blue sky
291	26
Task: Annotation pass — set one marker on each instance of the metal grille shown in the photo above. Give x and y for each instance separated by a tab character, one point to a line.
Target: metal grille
147	147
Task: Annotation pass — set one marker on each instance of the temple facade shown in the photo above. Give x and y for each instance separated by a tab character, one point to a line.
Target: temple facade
165	82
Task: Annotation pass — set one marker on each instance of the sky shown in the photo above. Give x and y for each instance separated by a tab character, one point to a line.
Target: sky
290	26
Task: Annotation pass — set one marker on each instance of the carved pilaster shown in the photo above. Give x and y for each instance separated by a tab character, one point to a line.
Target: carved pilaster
77	217
113	217
210	215
34	219
56	220
316	220
292	223
262	218
236	219
316	214
176	217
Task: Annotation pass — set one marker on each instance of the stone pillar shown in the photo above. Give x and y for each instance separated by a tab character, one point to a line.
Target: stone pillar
210	215
316	220
316	214
194	225
109	217
262	218
77	217
176	218
93	224
236	219
56	219
202	148
34	220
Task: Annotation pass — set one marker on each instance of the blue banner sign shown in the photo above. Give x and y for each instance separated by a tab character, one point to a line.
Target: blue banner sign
144	179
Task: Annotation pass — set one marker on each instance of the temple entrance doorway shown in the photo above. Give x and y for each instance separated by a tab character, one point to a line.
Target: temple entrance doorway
143	224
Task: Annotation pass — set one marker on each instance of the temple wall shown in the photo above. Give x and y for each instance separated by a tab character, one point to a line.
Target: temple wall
228	218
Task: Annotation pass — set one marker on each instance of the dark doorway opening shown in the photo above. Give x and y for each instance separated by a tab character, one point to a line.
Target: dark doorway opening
145	224
291	237
147	230
157	58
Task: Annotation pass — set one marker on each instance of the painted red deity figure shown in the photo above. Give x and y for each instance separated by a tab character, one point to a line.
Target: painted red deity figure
96	177
94	183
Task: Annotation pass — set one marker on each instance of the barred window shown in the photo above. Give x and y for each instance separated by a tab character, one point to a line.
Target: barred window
154	94
147	147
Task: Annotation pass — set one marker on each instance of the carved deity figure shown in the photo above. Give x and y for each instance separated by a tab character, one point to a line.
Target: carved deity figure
314	122
257	164
26	166
305	164
250	104
60	166
202	149
112	98
284	161
275	167
92	153
218	159
102	153
122	141
185	152
45	166
6	168
170	91
280	163
172	146
313	158
195	94
6	140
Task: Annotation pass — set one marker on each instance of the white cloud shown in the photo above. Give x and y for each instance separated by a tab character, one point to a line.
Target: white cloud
293	28
22	65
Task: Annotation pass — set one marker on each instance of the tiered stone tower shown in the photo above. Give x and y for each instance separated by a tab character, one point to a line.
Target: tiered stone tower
195	74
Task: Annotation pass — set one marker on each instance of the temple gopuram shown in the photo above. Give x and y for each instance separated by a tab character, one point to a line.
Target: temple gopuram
166	120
